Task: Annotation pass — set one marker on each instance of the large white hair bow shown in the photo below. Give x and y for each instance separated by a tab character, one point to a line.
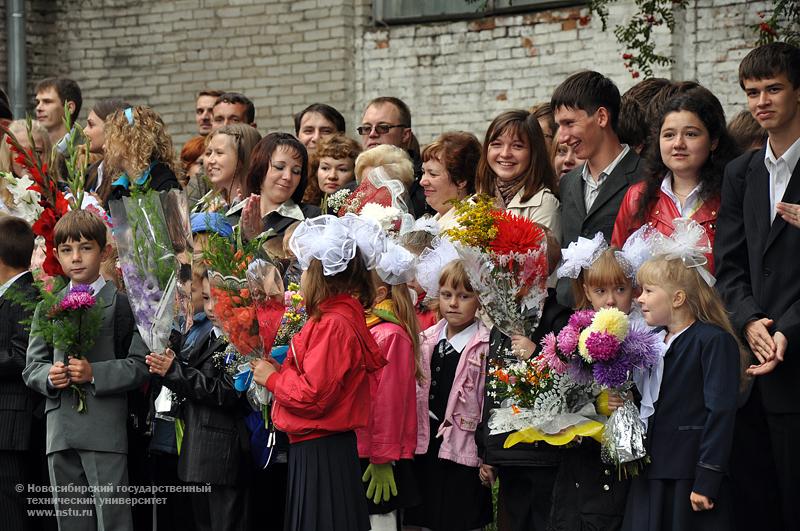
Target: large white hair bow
396	264
690	243
580	255
431	262
333	241
637	250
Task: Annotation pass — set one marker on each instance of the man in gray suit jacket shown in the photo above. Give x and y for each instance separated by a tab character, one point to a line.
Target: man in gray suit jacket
586	107
87	449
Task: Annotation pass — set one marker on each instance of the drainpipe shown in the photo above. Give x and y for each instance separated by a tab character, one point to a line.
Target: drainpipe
15	28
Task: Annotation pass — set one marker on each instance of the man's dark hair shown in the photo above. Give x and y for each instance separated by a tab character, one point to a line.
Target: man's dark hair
67	90
645	90
771	60
404	111
5	106
632	127
746	131
16	245
330	114
236	97
588	91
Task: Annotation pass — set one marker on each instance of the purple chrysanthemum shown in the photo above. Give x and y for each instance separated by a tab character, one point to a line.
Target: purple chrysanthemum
581	319
642	347
568	339
580	372
614	373
602	346
550	355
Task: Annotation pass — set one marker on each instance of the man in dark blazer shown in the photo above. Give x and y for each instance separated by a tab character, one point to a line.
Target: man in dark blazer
586	107
16	400
756	252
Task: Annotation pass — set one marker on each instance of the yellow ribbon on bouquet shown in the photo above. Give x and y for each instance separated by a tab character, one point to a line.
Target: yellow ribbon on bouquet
589	428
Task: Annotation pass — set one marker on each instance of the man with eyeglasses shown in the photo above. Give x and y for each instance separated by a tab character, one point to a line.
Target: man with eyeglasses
387	120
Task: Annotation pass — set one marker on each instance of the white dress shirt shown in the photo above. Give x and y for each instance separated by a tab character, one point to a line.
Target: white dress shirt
691	204
780	171
592	186
460	340
9	283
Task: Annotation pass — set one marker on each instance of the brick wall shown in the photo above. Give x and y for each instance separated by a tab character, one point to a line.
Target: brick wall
287	54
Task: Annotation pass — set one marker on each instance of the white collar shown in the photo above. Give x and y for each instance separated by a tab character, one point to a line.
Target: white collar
666	187
10	282
790	156
460	340
217	332
96	286
608	169
289	209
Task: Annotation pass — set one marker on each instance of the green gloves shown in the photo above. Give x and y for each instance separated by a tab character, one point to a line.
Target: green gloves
381	482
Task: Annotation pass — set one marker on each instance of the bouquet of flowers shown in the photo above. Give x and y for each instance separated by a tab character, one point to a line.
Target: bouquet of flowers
45	189
71	323
292	321
336	200
604	347
381	198
148	263
538	404
505	257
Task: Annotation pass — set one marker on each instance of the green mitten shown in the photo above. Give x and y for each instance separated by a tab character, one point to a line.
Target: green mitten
381	482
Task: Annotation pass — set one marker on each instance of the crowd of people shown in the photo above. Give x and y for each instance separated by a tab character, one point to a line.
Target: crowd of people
382	405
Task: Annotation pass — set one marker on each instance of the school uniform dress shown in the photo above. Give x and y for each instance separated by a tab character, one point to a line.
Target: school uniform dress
689	436
526	471
449	408
321	395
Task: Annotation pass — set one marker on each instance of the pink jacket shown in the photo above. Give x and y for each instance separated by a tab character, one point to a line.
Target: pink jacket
392	430
465	403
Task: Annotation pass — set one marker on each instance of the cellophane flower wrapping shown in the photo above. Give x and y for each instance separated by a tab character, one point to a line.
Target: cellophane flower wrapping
149	265
603	348
294	315
505	257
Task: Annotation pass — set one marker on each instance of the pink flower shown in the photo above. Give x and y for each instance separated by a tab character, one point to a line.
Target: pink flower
550	356
581	319
602	346
568	339
78	298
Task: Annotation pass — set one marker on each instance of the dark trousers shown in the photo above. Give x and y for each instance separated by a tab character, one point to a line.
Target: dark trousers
784	432
525	497
754	476
176	513
222	509
12	502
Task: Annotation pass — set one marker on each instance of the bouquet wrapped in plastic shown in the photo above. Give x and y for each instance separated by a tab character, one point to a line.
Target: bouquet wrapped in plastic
292	321
148	261
505	257
381	198
603	348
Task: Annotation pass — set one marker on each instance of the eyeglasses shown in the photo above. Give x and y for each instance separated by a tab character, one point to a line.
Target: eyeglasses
382	129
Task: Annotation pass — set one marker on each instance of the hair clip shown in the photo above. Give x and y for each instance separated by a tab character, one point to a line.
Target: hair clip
129	114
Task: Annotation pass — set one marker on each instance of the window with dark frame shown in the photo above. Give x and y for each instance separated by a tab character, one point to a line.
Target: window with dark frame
409	11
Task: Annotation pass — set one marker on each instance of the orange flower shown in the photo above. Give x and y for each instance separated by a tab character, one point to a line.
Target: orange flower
515	409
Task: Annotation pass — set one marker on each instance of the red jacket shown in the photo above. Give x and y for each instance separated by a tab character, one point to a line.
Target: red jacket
322	387
392	430
660	216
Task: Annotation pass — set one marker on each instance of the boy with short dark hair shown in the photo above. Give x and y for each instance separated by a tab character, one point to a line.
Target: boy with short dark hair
16	401
88	449
586	107
757	278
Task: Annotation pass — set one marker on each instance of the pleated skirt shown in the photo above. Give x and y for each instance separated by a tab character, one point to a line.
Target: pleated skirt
324	491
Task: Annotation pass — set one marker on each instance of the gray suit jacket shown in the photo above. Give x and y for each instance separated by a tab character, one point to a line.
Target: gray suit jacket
576	221
103	427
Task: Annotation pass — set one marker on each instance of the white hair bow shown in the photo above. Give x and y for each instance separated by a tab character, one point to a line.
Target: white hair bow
637	250
396	264
431	262
690	243
580	255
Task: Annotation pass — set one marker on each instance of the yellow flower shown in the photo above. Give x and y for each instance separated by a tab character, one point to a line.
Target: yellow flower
610	320
476	225
582	350
297	299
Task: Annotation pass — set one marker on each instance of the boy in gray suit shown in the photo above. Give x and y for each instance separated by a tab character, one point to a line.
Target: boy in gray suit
87	450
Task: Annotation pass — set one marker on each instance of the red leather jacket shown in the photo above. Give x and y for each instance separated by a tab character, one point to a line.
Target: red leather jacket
322	387
660	216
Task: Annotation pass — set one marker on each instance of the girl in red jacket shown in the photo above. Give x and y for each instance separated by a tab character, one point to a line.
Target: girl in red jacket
683	169
322	391
386	446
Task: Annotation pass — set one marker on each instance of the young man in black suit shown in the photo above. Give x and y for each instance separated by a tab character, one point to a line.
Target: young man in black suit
16	400
756	252
586	107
